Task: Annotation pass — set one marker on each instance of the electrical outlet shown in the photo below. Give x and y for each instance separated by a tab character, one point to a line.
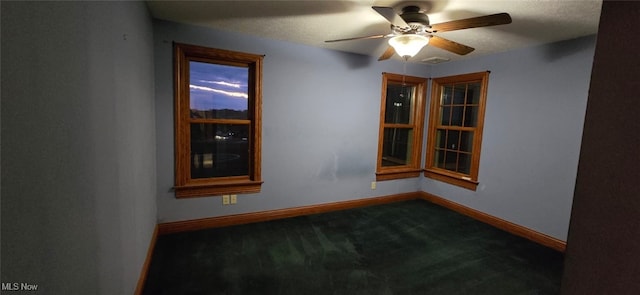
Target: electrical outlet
225	199
373	185
234	199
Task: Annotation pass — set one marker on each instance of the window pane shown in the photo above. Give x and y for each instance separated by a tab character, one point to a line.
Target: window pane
450	161
439	160
470	116
473	93
466	141
397	146
453	137
447	95
459	93
219	150
218	91
464	163
440	138
399	103
445	116
456	115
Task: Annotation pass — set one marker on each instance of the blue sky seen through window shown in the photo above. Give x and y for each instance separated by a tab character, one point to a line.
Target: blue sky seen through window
218	87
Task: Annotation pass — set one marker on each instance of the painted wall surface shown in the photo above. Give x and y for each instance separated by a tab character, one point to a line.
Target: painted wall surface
603	248
320	124
78	128
536	103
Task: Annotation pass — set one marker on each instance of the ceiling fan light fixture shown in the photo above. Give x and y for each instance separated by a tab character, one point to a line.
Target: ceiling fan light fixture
408	45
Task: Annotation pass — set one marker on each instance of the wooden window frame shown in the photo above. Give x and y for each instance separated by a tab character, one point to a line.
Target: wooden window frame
412	169
468	181
185	185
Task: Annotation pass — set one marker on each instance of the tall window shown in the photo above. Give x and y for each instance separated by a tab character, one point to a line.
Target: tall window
217	121
401	121
455	128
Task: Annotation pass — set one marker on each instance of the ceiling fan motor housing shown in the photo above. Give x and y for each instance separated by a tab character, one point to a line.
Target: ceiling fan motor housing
414	18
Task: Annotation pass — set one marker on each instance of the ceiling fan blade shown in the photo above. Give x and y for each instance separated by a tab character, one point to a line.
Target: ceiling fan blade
474	22
449	45
358	38
391	16
387	53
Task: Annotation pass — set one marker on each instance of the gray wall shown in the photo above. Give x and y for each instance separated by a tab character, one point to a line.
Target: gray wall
320	124
535	110
78	173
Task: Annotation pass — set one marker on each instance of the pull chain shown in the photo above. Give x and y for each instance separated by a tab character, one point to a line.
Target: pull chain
404	72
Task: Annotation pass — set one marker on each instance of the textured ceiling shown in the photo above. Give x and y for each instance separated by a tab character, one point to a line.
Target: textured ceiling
312	22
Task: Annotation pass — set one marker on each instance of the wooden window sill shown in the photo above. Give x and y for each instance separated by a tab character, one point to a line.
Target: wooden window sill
397	174
453	179
216	189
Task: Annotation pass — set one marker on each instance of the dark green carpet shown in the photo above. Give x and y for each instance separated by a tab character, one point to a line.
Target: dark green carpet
412	247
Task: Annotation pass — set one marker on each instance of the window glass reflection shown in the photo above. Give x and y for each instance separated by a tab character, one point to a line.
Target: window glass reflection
399	104
397	145
219	150
218	91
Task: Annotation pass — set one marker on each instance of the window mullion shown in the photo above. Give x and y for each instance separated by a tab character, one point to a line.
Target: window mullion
393	125
220	121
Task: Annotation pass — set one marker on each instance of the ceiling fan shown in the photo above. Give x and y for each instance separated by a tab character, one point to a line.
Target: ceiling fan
410	31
